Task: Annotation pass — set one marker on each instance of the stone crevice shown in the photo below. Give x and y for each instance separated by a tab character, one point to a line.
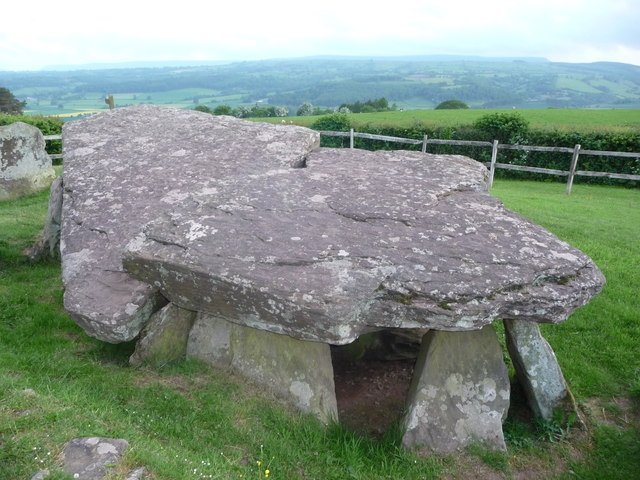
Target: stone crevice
162	241
363	218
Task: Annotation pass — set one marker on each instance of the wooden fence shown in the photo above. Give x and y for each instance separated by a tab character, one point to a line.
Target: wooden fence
54	156
495	147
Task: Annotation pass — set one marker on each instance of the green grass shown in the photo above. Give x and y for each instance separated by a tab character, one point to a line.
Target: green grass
568	83
598	345
94	101
56	383
580	120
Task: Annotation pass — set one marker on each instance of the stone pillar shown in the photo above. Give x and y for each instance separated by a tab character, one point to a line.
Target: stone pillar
164	338
536	366
297	371
48	243
459	392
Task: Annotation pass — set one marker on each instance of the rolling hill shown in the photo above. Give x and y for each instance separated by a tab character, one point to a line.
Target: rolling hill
409	82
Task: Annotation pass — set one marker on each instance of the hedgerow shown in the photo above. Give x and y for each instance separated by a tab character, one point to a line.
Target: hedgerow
47	125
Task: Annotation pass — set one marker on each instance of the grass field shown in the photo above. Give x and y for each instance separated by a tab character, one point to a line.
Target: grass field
579	120
94	102
190	421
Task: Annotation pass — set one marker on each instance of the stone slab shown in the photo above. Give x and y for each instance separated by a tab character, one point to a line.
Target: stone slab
90	458
164	338
296	371
360	241
48	243
459	392
536	367
129	166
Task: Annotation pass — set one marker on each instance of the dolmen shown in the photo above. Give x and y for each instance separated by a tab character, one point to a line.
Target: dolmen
250	247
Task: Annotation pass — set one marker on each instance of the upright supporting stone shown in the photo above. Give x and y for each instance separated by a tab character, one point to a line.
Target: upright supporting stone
48	243
297	371
536	367
164	338
459	393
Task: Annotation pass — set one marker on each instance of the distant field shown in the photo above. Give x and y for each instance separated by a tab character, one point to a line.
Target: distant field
563	119
94	102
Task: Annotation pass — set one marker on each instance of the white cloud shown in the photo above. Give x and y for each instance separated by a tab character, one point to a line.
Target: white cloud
74	31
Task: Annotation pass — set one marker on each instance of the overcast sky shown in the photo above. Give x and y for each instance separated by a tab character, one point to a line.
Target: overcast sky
37	33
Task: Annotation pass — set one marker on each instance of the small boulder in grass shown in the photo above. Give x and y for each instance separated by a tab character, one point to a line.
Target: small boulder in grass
91	458
25	166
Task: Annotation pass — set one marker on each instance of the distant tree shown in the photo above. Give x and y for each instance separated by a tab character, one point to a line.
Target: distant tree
204	109
9	103
305	109
378	105
335	122
282	111
242	111
223	110
321	111
505	127
452	105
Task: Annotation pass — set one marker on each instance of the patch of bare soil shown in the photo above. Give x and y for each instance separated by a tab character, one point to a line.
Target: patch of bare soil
621	412
182	384
371	394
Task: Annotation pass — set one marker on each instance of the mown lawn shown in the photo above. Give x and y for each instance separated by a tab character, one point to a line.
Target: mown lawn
565	119
190	421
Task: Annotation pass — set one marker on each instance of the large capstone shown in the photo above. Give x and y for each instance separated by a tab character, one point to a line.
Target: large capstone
25	166
254	223
130	166
357	242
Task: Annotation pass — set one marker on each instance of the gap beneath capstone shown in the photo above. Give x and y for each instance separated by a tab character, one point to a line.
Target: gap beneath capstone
371	391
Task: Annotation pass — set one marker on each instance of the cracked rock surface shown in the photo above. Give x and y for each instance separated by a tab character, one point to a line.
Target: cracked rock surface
126	167
255	224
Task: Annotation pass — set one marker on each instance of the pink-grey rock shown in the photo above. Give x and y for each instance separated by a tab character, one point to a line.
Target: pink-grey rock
25	166
459	392
90	458
127	167
357	242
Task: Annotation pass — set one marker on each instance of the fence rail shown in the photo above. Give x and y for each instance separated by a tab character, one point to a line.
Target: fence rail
495	147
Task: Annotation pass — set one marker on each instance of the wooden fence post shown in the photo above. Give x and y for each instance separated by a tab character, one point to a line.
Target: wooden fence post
572	169
492	168
424	143
351	139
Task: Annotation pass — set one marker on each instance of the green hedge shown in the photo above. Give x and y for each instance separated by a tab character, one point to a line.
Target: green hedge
47	125
608	141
